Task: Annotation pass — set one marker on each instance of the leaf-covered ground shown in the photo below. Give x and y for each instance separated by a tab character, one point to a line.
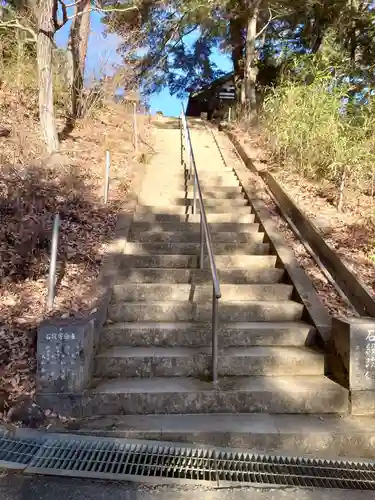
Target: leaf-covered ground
32	189
351	232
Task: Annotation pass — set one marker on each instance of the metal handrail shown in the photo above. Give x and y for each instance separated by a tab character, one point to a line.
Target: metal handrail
205	237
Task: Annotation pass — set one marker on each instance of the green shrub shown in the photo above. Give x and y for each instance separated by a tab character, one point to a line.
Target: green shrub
309	129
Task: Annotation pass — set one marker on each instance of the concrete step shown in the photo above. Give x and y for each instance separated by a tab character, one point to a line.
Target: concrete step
208	192
322	435
188	194
123	361
155	261
192	248
228	180
212	173
153	236
206	174
211	191
194	227
215	184
178	395
152	292
211	164
248	262
217	201
154	216
192	311
173	209
170	275
180	333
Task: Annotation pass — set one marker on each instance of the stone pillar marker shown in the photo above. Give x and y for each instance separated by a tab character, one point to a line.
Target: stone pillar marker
353	340
64	355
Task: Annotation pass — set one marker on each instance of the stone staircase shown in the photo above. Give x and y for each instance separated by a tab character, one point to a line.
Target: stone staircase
154	355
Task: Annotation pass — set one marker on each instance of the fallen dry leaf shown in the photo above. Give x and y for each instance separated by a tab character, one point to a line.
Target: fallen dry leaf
32	190
351	232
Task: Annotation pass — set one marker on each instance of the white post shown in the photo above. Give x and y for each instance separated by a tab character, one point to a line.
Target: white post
53	261
135	127
229	114
107	169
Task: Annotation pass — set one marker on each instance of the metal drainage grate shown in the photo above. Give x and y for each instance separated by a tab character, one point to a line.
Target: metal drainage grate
157	462
17	452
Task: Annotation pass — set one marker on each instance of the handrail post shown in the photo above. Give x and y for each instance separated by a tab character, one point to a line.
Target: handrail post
195	194
53	261
201	257
182	141
190	162
107	173
215	340
135	127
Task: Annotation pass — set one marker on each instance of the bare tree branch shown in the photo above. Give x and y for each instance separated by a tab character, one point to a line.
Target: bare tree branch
271	18
73	4
17	25
114	9
65	18
101	9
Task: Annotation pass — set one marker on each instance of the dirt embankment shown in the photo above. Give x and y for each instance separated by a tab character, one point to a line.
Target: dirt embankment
32	189
350	232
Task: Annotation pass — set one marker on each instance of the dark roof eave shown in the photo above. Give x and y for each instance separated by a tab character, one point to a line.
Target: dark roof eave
213	84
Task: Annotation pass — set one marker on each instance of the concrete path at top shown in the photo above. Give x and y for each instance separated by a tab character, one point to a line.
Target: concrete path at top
161	182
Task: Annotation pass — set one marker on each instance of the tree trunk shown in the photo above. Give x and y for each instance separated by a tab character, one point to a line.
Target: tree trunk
251	69
237	43
317	32
79	37
46	30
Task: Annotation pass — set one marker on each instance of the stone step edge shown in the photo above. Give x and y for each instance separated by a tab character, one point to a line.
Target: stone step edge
208	302
192	247
206	286
195	292
188	227
321	436
236	384
124	351
241	325
206	271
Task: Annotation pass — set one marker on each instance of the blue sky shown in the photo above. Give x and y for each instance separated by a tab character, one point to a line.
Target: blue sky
101	56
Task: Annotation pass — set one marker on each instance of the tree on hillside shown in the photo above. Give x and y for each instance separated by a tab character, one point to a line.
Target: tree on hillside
251	31
17	30
321	115
43	22
44	19
78	43
232	25
47	26
160	28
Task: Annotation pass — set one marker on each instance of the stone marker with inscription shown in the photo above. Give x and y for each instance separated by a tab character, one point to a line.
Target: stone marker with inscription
65	354
353	341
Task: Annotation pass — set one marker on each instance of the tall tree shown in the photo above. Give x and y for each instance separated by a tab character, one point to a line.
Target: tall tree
46	31
251	58
79	37
252	31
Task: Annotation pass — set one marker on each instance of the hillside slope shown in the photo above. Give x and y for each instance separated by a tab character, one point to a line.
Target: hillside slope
32	189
